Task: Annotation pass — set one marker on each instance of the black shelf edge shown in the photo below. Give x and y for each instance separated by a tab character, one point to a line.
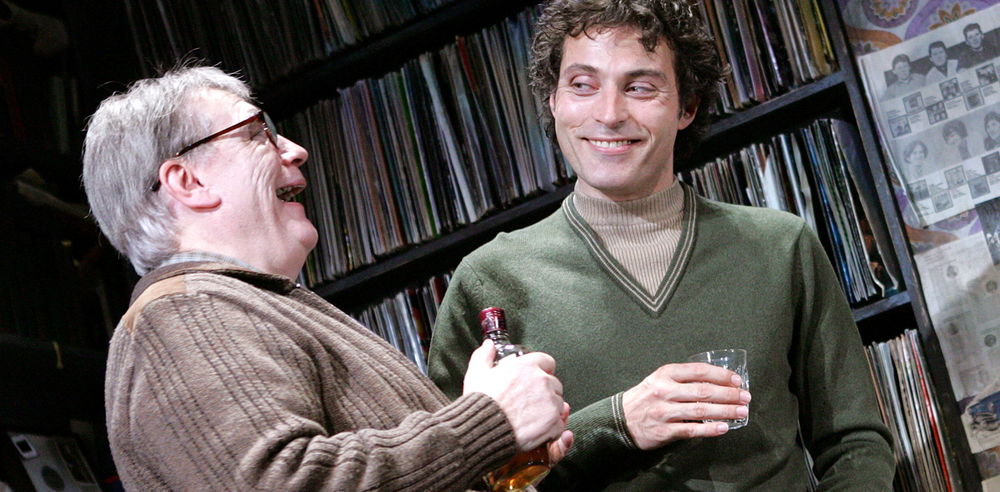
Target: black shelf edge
882	305
373	282
799	94
796	107
383	52
9	342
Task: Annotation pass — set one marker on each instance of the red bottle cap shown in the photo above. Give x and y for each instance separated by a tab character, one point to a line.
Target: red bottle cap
492	319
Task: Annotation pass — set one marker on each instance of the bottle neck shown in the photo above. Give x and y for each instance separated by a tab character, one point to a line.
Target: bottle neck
498	337
504	347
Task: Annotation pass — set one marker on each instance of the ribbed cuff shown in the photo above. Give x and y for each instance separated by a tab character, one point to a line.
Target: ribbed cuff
618	416
484	432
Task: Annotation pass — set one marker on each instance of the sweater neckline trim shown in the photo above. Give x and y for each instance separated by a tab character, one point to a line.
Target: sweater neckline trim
653	303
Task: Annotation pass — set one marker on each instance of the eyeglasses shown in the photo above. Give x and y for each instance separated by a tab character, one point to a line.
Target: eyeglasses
261	116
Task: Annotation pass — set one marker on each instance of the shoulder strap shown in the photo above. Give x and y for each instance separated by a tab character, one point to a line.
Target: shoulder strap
156	290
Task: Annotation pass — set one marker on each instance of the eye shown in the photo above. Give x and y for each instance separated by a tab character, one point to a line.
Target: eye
640	90
583	85
256	132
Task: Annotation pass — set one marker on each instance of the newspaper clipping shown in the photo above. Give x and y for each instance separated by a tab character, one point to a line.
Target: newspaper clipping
963	296
936	100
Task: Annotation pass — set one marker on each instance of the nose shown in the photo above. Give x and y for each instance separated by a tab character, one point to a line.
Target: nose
611	110
292	154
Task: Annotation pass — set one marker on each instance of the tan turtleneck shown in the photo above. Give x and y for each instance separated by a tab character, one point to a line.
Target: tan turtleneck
640	234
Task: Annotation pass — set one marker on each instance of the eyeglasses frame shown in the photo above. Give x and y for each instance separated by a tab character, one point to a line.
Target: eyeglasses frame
261	116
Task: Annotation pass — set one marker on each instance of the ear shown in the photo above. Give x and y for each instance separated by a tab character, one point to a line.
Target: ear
177	179
552	102
689	112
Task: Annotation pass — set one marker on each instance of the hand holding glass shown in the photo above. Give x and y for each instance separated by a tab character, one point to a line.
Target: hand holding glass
735	360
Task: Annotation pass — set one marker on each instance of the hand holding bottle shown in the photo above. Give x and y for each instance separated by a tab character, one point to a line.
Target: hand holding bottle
525	389
534	459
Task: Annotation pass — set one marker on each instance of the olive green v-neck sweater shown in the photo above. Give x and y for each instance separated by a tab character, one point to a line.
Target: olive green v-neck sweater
740	277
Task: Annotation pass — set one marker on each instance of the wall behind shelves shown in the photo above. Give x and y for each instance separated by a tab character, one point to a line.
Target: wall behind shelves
60	281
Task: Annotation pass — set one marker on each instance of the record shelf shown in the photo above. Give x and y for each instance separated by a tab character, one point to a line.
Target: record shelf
840	93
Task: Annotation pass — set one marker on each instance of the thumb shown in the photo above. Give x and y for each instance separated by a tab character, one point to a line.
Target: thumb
480	363
484	356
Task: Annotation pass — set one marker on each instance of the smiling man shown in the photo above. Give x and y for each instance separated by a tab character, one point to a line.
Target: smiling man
942	68
977	49
225	374
635	273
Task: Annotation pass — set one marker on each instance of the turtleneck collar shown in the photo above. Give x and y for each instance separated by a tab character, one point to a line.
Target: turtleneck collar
666	205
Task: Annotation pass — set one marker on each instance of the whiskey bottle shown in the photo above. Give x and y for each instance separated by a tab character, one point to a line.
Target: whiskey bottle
528	467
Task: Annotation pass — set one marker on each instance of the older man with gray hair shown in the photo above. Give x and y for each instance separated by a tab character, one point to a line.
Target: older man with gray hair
225	374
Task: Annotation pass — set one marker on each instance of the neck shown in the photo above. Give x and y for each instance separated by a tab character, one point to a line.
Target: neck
665	181
261	260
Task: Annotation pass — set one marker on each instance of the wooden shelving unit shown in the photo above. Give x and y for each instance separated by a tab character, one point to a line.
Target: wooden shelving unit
41	388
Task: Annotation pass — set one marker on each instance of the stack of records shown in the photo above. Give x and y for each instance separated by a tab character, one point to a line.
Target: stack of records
815	172
266	39
406	319
771	45
909	408
446	139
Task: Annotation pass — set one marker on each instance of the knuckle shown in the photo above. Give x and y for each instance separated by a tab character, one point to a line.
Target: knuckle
702	370
703	391
691	431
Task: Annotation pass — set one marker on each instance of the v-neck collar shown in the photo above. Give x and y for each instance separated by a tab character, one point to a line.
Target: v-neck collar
653	303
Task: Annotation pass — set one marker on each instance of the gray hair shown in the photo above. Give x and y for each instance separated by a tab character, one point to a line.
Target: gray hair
128	137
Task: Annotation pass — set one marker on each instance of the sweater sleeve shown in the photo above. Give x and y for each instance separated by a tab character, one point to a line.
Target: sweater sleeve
603	450
205	395
841	426
456	331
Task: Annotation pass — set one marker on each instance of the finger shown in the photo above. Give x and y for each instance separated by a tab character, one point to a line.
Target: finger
544	361
678	394
706	393
702	372
708	429
710	411
559	447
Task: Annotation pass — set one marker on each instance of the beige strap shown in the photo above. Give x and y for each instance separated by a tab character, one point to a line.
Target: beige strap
161	288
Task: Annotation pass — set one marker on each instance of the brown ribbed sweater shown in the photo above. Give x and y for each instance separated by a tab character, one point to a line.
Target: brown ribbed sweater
221	378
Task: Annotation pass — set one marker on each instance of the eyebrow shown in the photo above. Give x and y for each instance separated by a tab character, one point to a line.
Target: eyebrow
634	74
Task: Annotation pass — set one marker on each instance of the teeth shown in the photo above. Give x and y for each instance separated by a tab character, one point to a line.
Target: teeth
288	192
613	144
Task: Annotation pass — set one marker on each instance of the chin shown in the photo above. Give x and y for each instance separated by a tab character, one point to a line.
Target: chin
305	233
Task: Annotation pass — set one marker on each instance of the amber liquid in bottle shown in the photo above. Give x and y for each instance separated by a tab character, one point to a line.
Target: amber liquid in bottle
528	467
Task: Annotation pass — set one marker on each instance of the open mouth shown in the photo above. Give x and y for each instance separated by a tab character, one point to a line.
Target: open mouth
611	144
287	193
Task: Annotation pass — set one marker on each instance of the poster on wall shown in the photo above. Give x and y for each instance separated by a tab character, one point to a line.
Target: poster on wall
930	69
936	99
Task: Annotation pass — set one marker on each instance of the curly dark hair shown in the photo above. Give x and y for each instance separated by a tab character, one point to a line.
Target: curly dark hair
697	65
